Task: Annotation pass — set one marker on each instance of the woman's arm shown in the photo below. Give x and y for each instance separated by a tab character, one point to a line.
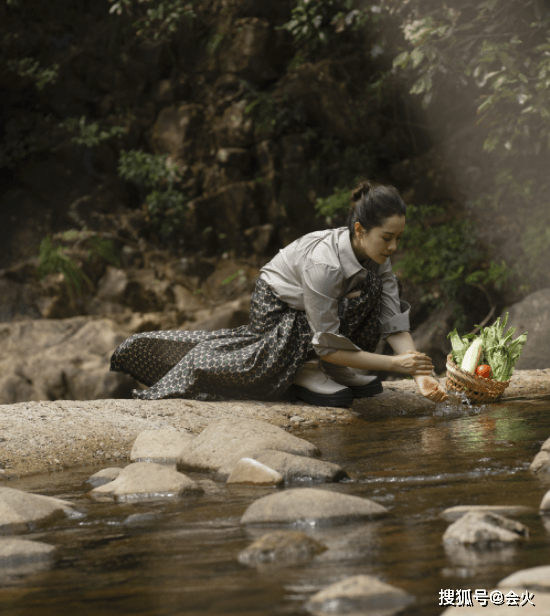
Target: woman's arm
429	386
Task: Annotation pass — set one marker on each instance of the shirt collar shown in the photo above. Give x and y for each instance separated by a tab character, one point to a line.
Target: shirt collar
347	257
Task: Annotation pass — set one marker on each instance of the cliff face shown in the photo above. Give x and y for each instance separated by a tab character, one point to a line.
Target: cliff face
255	142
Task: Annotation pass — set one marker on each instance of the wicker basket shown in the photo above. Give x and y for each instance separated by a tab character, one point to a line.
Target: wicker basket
476	388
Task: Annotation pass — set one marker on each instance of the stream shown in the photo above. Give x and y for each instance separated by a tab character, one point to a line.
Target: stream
180	557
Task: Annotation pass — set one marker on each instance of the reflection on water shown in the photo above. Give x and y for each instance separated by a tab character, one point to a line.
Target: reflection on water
175	558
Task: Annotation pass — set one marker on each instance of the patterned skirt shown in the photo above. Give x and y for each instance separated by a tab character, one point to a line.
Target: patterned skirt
256	361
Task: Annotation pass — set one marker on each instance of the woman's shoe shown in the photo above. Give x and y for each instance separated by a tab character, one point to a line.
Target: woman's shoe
312	385
360	385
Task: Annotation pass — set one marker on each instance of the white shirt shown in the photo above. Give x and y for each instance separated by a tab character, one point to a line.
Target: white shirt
316	270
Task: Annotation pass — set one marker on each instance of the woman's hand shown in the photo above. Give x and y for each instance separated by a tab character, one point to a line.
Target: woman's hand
413	363
431	388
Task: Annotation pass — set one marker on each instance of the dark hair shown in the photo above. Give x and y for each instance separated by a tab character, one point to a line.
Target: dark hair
372	204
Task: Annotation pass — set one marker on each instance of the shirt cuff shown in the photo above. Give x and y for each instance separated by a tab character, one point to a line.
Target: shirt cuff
326	343
398	322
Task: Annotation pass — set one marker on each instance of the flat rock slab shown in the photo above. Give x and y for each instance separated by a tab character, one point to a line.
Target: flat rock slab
541	606
225	442
251	472
68	433
535	578
363	594
297	468
147	481
20	553
455	513
162	446
20	510
105	475
281	547
310	506
484	530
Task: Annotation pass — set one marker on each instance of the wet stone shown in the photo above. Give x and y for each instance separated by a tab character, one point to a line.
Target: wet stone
226	441
105	475
545	504
251	472
298	468
162	446
311	507
147	481
281	548
362	594
455	513
20	509
17	554
485	530
535	578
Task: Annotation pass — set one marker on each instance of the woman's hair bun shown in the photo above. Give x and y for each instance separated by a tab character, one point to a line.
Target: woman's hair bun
362	189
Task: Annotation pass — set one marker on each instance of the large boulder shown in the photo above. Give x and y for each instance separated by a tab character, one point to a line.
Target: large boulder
50	359
532	315
248	471
535	578
162	446
454	513
309	506
226	441
20	510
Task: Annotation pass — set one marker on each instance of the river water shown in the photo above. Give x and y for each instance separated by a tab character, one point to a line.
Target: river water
180	558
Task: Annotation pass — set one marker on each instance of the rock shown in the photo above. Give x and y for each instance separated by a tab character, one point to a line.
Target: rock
160	446
146	481
17	301
309	506
360	594
105	475
19	510
296	468
52	359
546	445
545	504
228	316
535	578
281	547
532	315
260	237
186	301
141	519
454	513
21	554
175	131
251	52
235	129
226	441
485	530
248	471
235	157
541	462
430	337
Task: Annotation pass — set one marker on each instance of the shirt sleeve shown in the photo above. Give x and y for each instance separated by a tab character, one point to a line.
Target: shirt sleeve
394	312
322	285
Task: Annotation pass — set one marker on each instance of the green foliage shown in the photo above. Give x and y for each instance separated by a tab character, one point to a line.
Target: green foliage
334	204
29	68
502	54
53	259
156	19
314	24
165	203
89	134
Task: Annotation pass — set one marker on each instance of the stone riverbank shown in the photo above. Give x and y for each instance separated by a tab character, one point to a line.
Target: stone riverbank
47	436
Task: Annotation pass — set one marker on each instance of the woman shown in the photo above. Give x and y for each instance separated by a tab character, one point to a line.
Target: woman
317	313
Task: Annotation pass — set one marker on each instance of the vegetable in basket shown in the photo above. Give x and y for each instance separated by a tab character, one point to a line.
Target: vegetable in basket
492	347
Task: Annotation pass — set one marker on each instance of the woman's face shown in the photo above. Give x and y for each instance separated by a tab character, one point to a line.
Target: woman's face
380	242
